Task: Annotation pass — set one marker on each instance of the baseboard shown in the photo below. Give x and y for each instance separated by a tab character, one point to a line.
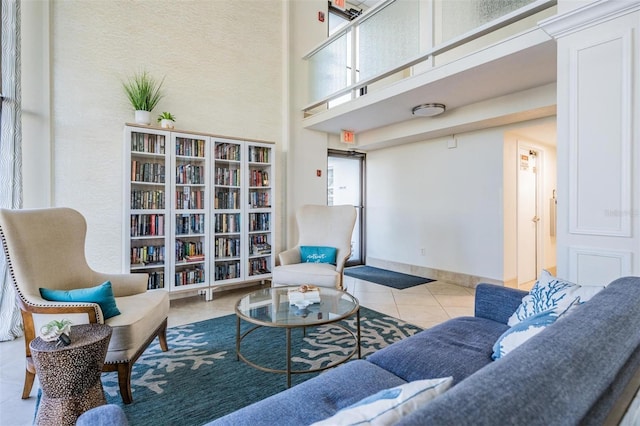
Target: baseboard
458	278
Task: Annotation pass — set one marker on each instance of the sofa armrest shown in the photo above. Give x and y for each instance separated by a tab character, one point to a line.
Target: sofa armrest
497	303
289	257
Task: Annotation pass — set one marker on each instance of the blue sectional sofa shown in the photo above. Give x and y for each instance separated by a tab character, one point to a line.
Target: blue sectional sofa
582	369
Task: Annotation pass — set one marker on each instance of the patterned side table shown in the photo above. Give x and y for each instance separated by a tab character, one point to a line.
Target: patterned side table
70	375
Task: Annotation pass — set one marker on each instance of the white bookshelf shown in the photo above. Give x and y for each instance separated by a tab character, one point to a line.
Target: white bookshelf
200	212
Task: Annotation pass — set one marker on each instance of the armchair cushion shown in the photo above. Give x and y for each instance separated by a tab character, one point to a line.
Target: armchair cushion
318	254
320	274
101	294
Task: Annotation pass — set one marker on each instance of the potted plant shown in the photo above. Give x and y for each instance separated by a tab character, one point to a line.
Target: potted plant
144	93
166	120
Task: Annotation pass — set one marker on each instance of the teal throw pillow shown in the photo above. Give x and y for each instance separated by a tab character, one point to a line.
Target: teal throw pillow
389	406
318	254
102	295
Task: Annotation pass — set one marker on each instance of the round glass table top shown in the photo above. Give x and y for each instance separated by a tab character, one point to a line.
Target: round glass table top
290	307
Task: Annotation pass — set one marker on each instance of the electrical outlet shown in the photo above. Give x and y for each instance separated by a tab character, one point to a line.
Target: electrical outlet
422	251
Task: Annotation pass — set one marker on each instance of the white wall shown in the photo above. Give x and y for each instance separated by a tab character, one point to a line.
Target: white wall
223	63
447	201
307	151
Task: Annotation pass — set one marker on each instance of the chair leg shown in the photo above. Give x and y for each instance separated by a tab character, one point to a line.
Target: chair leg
162	337
124	381
29	377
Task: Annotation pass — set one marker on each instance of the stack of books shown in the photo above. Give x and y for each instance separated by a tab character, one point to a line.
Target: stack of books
304	295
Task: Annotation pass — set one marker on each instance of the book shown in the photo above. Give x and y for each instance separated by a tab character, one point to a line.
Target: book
304	295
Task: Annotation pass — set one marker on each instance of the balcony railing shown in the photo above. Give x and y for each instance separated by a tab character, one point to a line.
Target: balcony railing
399	38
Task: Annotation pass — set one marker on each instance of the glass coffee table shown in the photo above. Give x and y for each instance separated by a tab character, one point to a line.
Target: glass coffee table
270	307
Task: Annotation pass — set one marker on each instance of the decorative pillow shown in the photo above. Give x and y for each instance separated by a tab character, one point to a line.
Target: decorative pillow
549	292
102	295
389	405
524	330
318	254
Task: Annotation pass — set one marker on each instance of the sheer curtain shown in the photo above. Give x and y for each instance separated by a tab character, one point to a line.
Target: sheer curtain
10	154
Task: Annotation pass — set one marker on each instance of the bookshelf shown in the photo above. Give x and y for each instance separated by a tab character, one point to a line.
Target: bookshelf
200	214
147	205
243	211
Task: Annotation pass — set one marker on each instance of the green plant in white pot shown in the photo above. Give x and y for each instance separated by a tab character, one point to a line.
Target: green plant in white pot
144	93
166	120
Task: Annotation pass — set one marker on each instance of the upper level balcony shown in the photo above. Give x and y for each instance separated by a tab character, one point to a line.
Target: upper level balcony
402	53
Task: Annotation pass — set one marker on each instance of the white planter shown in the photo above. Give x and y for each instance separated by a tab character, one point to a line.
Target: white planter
166	123
143	117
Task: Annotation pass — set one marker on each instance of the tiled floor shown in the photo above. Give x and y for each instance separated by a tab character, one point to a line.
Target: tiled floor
425	305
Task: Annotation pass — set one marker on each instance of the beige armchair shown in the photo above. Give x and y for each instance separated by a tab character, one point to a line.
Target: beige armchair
329	226
45	248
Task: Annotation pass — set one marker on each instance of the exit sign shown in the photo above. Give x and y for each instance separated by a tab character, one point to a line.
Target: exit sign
347	136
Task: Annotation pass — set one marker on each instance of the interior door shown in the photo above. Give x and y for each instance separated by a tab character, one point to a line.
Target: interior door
528	215
345	185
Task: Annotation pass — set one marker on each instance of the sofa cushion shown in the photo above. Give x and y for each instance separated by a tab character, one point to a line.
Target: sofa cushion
524	330
549	292
456	348
389	405
101	294
315	399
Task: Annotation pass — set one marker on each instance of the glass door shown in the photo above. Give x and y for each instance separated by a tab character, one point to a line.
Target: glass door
345	185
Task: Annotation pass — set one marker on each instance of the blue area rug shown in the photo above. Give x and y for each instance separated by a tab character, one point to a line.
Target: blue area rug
393	279
199	379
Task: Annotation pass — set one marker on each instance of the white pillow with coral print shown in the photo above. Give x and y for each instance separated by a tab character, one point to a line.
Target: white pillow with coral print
550	292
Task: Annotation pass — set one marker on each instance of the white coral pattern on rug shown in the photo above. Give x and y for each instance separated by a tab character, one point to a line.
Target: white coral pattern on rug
186	350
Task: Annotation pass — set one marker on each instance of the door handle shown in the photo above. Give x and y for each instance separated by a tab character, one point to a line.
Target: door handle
535	219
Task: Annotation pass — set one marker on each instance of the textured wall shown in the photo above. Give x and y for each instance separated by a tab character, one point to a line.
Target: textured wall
223	66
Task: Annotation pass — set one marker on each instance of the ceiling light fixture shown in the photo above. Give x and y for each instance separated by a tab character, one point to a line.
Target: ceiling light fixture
428	110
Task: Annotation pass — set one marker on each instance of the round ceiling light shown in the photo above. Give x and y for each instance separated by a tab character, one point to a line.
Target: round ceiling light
428	110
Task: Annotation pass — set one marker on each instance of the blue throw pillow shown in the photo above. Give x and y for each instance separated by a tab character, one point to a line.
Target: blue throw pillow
102	295
318	254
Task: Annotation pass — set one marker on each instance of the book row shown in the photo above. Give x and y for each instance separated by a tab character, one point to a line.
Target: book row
226	271
259	199
156	280
189	224
190	174
259	266
225	176
190	147
189	250
227	199
227	247
190	198
147	199
259	221
144	142
259	154
147	255
189	276
147	225
147	172
258	178
227	151
227	222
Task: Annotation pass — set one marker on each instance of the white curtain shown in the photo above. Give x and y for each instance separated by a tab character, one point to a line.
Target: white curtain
10	155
